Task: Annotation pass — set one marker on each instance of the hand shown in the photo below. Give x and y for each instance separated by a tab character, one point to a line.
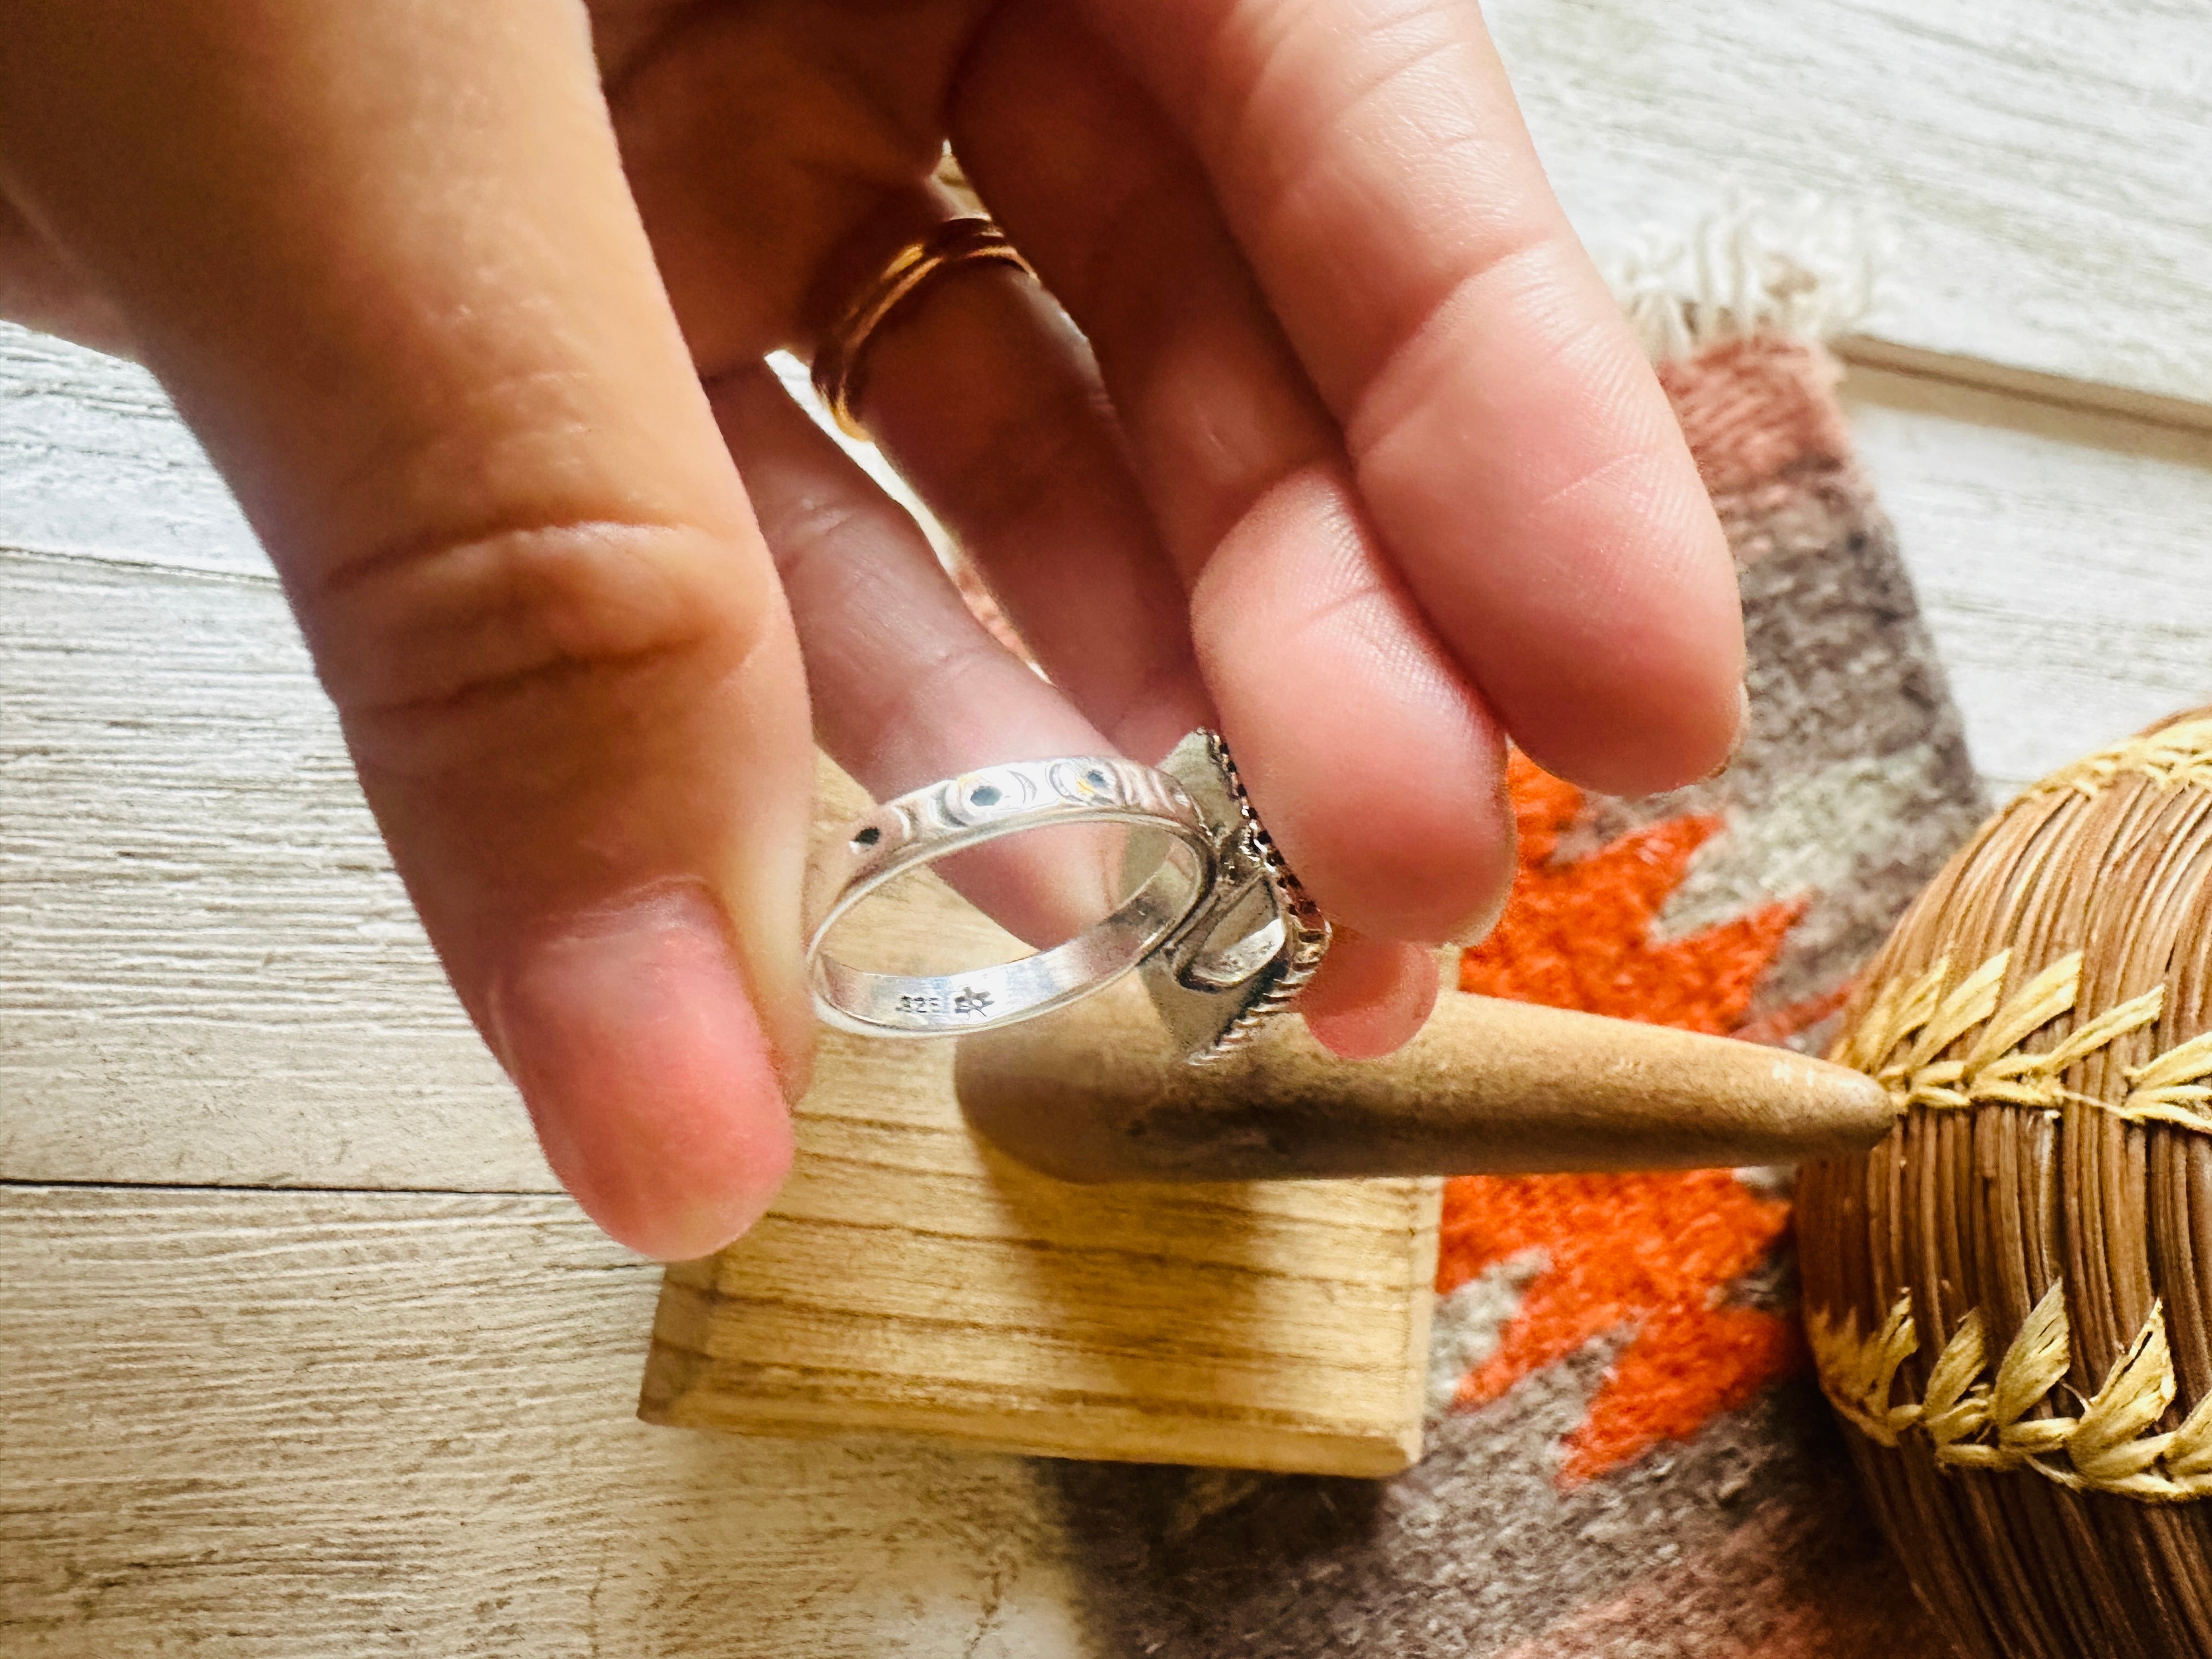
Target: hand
1352	456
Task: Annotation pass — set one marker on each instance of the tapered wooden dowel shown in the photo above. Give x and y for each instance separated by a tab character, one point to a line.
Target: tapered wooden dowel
1489	1087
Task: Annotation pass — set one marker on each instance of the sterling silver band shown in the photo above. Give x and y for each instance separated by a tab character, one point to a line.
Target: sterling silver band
1224	932
947	818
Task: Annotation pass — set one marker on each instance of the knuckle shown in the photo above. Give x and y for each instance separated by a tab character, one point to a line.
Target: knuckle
1425	342
825	538
433	651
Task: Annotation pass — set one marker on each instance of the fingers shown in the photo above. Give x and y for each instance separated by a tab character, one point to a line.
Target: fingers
992	408
384	261
985	398
1374	764
908	688
1514	450
1376	769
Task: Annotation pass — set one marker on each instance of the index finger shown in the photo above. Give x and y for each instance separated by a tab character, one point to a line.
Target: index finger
1509	440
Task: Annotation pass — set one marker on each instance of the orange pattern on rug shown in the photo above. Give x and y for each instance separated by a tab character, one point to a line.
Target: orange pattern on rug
1655	1253
1578	934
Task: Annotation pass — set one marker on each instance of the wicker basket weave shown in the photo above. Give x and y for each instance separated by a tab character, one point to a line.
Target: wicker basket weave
2009	1300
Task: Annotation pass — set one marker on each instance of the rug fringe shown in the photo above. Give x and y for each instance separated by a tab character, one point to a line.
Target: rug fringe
1805	268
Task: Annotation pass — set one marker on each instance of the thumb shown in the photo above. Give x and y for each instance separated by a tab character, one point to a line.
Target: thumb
386	261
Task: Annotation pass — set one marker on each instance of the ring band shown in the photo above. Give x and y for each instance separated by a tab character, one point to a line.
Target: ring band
841	356
947	818
1223	946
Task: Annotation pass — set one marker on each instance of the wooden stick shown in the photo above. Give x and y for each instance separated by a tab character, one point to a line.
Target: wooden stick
1489	1087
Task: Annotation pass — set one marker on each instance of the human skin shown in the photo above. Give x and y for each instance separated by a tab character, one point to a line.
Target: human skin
1338	443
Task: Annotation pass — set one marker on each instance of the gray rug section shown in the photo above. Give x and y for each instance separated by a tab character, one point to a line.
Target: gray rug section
1470	1553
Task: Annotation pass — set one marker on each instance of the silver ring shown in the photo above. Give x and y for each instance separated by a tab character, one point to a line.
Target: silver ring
950	816
1224	947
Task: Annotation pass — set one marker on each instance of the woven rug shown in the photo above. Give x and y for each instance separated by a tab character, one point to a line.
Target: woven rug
1628	1455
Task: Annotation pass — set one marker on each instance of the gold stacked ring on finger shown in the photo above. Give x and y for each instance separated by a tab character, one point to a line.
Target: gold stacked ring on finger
841	359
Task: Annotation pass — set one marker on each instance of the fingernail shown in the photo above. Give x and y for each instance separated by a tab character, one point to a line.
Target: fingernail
635	1045
1742	732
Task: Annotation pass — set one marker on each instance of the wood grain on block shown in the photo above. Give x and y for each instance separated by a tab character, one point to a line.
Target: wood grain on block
1489	1087
910	1278
266	1425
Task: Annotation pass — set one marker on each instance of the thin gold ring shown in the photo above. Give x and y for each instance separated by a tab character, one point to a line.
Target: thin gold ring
843	354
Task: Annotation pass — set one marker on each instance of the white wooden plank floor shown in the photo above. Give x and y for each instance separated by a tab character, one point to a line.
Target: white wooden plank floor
346	1425
2035	172
300	1352
2063	555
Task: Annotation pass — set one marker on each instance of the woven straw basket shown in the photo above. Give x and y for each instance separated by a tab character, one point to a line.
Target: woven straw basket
2009	1300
